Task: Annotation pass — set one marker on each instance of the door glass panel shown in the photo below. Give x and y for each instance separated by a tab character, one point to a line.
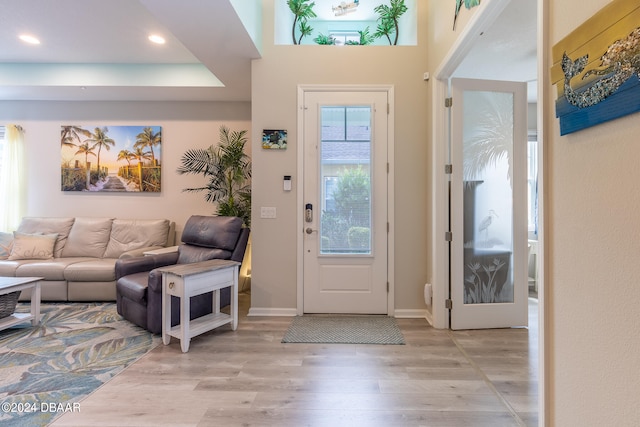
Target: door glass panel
488	197
345	180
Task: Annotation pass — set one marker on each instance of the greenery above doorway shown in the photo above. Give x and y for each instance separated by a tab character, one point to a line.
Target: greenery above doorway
321	22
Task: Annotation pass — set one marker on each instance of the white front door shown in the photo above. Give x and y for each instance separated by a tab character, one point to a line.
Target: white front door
489	286
345	202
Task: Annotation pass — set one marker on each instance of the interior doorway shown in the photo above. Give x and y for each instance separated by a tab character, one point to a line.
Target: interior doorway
472	49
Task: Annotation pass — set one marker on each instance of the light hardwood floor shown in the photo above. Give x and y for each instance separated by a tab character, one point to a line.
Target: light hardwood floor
249	378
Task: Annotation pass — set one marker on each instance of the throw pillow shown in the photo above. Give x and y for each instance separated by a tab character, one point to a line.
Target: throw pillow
48	225
6	241
32	246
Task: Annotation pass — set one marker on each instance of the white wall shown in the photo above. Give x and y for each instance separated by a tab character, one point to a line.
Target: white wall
184	125
593	245
274	96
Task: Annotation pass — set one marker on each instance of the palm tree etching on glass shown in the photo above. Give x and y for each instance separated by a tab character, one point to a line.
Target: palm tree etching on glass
488	174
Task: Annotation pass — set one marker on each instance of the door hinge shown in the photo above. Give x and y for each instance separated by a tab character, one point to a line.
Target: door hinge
387	287
448	102
448	236
448	169
388	227
388	167
448	304
388	109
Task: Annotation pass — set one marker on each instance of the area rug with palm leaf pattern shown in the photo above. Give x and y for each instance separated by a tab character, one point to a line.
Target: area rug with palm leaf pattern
48	369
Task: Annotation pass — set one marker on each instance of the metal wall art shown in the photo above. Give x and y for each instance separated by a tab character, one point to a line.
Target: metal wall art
597	68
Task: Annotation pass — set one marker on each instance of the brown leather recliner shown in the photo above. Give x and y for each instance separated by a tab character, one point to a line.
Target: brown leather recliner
139	285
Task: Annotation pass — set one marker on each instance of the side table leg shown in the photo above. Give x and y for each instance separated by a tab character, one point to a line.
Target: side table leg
35	304
234	300
185	318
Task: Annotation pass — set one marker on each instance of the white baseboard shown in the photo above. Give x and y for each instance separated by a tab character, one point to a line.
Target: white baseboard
411	314
273	312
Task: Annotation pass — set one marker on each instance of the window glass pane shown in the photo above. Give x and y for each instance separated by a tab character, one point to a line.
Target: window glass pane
333	124
533	184
2	130
359	120
345	159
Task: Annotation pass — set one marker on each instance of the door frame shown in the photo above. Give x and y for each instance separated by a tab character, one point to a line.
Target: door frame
302	89
482	19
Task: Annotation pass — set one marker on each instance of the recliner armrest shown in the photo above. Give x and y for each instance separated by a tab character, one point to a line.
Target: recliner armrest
126	266
241	245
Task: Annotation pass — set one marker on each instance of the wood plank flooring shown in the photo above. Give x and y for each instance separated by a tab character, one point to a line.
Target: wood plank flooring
248	377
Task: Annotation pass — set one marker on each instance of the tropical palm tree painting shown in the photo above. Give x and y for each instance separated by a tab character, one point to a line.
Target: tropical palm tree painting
111	158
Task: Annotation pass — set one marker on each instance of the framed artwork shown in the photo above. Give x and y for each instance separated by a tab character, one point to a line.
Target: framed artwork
596	68
273	139
123	159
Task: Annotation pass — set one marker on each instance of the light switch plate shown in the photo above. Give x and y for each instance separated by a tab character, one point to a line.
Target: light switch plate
267	212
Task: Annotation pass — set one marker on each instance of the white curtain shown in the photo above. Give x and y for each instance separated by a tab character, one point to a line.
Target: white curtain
12	179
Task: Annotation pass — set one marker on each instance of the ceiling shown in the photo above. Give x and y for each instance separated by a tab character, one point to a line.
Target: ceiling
508	49
99	49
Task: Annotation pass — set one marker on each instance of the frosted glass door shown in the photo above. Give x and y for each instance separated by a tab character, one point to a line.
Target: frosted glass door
489	204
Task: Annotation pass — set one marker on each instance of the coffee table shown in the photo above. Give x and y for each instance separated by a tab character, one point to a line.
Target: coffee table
12	284
187	280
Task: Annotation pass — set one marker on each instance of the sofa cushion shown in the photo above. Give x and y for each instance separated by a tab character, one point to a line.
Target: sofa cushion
49	269
92	270
61	226
32	246
212	231
88	237
8	268
130	234
6	240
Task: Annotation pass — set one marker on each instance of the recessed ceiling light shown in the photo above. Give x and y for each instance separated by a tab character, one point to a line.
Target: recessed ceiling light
29	39
157	39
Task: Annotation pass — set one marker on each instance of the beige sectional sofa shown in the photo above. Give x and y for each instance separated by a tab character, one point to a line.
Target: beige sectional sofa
77	256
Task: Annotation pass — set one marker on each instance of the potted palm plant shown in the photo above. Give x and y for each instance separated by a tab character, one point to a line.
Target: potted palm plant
227	169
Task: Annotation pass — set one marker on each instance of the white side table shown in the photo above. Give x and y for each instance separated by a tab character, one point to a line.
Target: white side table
187	280
12	284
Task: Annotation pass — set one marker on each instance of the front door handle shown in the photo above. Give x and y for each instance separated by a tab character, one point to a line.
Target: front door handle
310	230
